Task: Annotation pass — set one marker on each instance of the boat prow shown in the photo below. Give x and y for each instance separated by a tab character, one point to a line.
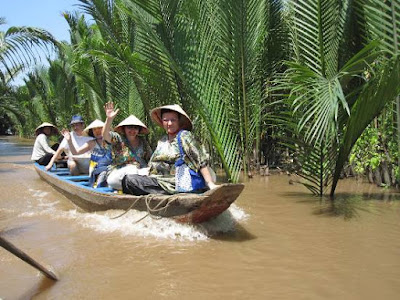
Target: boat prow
182	207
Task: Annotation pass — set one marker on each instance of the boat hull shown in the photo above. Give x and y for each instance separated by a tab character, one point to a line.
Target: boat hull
182	207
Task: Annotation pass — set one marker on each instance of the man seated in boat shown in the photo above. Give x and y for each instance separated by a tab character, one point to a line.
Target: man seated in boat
100	157
176	149
77	164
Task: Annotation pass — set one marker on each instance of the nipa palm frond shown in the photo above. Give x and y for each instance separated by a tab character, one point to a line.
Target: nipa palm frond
381	89
382	19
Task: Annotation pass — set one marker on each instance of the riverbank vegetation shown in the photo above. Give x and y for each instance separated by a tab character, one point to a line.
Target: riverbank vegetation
293	83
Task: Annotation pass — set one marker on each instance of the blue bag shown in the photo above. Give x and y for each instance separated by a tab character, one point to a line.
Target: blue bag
186	179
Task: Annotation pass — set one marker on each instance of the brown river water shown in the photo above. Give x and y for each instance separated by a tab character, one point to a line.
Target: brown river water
276	242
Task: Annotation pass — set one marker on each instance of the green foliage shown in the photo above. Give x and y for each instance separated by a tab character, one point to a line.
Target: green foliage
378	91
366	152
317	81
333	62
378	143
19	46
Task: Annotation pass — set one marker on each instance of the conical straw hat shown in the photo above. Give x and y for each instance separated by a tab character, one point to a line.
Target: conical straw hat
95	124
132	120
54	129
185	122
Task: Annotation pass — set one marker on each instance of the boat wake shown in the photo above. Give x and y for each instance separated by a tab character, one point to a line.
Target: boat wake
132	222
137	223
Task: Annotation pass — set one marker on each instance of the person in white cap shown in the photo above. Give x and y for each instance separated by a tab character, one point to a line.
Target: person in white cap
100	157
179	138
130	152
77	164
42	152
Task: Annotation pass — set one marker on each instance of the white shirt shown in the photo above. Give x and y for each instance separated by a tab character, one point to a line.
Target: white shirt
41	147
78	141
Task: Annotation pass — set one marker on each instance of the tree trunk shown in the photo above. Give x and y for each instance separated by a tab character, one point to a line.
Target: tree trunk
370	175
352	172
386	175
392	172
377	176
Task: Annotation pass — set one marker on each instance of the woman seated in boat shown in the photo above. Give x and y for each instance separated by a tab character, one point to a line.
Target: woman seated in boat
130	152
162	179
42	152
100	157
77	164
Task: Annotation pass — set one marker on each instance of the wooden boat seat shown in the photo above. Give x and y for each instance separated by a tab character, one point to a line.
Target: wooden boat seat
62	173
63	170
76	178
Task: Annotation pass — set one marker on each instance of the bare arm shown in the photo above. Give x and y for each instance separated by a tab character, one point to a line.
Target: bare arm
207	178
53	159
84	148
110	115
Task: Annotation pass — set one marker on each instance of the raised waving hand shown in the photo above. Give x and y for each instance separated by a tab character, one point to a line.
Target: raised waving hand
109	109
110	114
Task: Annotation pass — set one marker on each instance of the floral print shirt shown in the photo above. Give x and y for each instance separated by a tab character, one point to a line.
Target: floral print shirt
123	154
162	162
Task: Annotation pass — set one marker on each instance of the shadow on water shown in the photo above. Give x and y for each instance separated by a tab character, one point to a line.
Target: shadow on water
226	227
346	205
15	231
350	205
240	234
36	290
7	170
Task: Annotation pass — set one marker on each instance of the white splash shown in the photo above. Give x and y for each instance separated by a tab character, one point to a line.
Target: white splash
138	223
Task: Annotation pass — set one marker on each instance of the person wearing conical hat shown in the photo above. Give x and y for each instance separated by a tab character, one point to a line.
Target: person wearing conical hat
77	164
42	152
176	147
100	157
130	152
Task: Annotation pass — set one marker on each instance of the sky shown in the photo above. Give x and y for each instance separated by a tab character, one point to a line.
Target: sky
44	14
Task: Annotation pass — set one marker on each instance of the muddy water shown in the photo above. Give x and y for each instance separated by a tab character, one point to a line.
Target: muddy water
276	242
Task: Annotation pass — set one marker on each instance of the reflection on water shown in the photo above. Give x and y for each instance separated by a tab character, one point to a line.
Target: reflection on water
349	206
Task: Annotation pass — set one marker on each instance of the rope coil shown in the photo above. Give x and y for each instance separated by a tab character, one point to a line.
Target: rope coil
150	210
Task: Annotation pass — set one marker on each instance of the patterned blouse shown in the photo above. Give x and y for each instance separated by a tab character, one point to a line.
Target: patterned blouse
162	163
123	154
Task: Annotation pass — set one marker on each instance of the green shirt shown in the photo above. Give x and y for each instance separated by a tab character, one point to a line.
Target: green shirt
162	162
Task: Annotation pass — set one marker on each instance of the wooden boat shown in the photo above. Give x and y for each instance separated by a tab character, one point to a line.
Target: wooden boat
182	207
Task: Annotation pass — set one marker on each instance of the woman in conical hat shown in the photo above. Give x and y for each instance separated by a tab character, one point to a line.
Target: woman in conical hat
168	156
45	125
42	152
130	152
100	157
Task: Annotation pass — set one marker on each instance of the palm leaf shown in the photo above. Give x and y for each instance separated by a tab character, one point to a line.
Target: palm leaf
19	46
381	89
382	20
